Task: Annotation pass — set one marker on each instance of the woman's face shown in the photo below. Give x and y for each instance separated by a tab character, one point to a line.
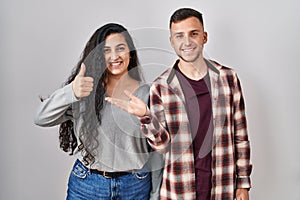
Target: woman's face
116	54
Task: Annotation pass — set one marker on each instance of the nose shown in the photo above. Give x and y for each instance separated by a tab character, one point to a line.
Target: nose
114	55
187	41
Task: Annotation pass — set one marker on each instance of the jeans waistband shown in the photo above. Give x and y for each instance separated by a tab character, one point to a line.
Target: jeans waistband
106	174
110	174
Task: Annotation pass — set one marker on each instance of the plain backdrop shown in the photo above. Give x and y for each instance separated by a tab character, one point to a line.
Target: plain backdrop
41	42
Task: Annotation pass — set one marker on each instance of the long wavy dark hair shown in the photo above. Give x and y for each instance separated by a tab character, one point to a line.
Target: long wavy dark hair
93	57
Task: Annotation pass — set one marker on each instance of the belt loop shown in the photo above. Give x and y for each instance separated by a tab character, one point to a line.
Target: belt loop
89	168
104	174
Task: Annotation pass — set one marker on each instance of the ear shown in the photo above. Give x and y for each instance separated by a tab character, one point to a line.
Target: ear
205	37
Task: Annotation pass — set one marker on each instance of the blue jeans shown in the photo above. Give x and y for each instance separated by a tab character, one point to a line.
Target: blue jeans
84	185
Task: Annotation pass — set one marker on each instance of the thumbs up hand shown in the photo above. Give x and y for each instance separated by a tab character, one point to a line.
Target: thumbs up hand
82	86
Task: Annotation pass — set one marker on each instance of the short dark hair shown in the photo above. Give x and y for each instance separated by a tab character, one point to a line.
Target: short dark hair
184	13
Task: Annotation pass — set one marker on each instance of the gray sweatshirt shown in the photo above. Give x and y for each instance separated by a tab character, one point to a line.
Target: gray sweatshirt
121	145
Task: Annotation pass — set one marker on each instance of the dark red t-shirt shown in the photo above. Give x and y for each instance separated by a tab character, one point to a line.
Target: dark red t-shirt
199	108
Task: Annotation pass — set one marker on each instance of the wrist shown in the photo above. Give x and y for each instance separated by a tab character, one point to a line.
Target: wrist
147	112
146	118
73	89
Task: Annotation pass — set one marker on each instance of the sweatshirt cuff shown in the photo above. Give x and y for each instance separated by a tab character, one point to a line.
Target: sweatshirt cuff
70	96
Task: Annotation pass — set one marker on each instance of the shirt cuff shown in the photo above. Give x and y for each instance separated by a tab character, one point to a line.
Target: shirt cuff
146	119
243	182
70	96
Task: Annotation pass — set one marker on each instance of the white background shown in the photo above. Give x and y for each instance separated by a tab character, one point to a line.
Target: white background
41	41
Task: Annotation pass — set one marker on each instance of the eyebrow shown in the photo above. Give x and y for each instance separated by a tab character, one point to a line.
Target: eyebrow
121	44
177	33
181	32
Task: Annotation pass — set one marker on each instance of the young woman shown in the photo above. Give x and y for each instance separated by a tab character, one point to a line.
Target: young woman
107	141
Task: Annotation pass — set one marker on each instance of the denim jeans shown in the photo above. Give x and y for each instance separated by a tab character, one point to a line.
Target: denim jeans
84	185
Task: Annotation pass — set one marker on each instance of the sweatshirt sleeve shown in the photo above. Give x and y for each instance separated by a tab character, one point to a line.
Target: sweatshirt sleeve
57	108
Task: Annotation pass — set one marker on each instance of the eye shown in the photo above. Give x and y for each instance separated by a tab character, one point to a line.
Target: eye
178	36
119	49
106	50
195	33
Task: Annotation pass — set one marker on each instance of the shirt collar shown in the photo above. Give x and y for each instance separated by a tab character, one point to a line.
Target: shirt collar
209	64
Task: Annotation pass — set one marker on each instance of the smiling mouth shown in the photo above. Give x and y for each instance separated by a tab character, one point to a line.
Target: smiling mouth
187	50
115	64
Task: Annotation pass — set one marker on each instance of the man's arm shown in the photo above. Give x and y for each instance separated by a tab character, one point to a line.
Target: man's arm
242	144
154	124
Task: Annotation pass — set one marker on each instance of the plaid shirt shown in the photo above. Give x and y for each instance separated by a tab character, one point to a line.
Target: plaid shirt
168	131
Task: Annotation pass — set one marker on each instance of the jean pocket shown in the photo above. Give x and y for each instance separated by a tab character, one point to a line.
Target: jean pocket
79	171
141	175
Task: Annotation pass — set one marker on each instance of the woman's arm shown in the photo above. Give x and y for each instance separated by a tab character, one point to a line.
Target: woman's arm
57	108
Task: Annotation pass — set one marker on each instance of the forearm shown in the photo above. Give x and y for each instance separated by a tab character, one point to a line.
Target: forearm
155	132
53	110
242	155
243	165
242	144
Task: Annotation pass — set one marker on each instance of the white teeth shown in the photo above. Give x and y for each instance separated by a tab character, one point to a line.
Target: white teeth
187	50
115	63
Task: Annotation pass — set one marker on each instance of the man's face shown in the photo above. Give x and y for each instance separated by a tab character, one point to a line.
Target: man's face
187	39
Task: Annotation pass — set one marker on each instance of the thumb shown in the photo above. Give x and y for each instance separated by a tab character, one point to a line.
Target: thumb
82	70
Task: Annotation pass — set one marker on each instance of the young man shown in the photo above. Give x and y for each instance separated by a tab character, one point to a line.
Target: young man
197	119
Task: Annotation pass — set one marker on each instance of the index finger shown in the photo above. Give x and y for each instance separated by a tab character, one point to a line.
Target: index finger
88	79
118	102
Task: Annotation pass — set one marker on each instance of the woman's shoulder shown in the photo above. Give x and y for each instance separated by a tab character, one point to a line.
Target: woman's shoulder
143	87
